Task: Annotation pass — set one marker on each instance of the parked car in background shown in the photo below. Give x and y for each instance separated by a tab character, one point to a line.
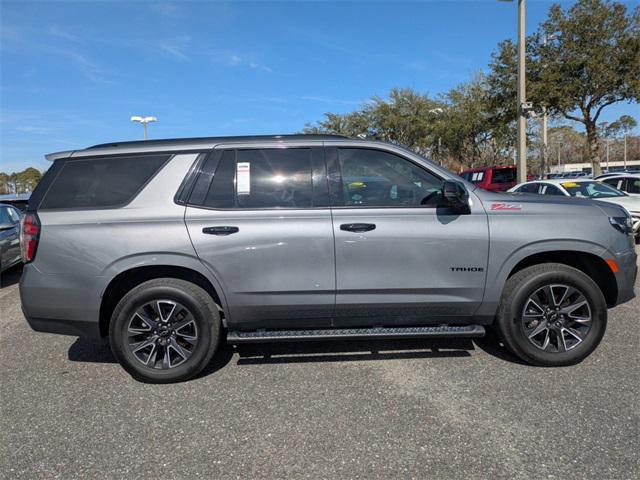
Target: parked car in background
585	188
18	200
621	172
9	236
493	179
628	183
171	246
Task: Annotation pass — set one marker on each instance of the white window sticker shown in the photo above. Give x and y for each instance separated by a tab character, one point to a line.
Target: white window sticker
243	178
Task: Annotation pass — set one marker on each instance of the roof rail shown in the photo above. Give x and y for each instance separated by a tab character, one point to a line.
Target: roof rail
178	141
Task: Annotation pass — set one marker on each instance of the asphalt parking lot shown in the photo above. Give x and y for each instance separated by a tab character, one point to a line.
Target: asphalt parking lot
446	409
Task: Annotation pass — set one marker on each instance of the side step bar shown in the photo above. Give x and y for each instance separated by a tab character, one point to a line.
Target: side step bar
376	333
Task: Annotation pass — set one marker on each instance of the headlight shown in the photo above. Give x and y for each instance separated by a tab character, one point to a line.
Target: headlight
622	224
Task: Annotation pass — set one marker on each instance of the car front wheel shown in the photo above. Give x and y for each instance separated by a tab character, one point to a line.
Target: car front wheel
552	315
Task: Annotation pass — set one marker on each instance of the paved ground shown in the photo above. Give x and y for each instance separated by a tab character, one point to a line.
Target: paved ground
451	409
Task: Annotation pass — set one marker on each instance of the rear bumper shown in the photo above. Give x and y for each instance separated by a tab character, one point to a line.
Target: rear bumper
63	304
64	327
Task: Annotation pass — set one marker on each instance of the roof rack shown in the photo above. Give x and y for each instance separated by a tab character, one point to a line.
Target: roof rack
178	141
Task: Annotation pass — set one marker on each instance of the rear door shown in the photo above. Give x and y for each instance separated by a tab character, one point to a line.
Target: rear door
401	257
259	219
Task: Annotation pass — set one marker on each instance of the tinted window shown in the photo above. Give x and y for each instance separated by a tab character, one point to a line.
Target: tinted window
221	193
633	185
99	183
473	177
378	179
553	190
528	188
504	175
13	214
4	215
274	178
259	178
612	182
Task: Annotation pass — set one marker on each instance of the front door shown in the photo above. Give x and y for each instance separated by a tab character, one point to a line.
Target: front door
259	220
402	258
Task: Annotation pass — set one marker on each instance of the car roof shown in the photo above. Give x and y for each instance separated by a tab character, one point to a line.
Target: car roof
558	181
482	169
623	175
194	143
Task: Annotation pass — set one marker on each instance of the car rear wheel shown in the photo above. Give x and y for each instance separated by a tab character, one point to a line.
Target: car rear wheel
165	330
551	315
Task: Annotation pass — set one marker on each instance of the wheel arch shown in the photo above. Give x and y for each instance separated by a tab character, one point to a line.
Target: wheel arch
590	264
129	278
588	257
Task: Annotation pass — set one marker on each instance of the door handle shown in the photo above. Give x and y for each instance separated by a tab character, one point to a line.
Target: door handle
220	230
358	227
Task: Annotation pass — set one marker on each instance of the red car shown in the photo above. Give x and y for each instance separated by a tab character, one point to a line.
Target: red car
496	179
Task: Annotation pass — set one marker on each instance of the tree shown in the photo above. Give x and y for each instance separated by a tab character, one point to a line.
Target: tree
469	131
4	183
28	179
20	182
404	118
622	128
591	61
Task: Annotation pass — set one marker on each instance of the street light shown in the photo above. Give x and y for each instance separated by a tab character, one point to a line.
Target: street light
523	107
143	121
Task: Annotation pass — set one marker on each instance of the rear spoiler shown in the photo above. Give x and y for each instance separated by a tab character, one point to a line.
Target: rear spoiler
56	155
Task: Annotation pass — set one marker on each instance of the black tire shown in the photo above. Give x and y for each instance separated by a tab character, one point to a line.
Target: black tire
511	324
197	304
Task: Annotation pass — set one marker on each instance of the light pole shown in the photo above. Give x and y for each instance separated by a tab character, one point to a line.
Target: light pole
523	107
607	135
143	121
545	144
438	111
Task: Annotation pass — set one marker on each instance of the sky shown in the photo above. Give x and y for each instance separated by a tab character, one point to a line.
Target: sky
72	73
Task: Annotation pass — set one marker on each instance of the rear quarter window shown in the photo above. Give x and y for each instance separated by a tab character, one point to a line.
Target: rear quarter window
100	182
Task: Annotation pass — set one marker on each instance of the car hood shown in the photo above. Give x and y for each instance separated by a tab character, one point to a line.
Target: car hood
632	204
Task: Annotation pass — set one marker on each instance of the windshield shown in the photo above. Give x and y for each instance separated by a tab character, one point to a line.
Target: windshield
591	190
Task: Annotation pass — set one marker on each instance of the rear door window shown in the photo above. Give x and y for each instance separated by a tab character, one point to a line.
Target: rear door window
633	185
101	182
256	179
529	188
504	175
553	190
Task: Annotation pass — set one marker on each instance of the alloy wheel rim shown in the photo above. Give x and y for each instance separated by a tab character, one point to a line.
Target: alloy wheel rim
556	318
162	334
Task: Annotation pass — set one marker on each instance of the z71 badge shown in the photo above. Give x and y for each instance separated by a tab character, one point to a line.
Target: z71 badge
511	207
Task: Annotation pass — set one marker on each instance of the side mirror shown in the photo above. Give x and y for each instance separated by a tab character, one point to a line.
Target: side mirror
455	195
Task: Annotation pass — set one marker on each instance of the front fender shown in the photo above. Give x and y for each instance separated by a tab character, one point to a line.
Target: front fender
500	267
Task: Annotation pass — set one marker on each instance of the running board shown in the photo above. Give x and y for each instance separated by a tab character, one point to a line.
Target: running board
376	333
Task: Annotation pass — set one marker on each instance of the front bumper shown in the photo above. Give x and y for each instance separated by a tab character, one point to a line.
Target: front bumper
626	275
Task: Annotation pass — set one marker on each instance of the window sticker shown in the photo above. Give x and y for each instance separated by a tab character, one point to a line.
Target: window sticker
244	178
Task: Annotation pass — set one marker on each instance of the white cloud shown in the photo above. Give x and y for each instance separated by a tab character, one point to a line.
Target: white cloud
177	47
58	32
167	10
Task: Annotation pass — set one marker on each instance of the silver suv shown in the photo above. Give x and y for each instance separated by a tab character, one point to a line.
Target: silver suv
170	246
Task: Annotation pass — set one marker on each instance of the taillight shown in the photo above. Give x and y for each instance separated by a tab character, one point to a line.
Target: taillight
29	235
